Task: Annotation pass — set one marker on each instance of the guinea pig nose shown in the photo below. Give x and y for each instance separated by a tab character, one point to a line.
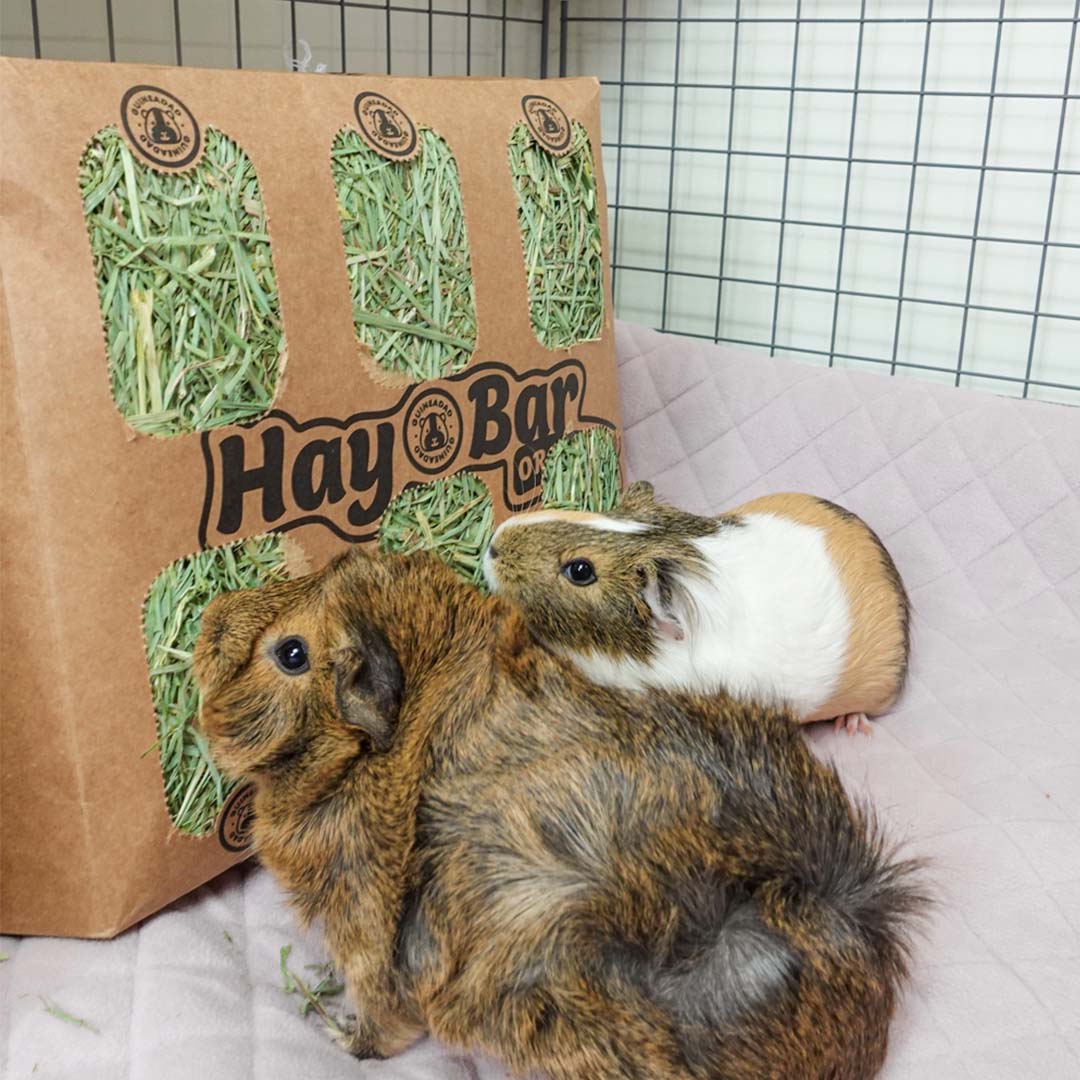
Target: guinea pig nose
492	551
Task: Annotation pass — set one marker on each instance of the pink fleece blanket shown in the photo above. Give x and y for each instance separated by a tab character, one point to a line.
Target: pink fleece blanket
978	767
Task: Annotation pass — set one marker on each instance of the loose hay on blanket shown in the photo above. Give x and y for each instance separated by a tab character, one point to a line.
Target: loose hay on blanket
559	218
194	789
329	985
186	285
581	472
407	255
452	516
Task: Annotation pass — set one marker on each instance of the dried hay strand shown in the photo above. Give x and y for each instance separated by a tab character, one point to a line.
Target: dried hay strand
581	472
186	286
559	218
452	516
407	254
194	789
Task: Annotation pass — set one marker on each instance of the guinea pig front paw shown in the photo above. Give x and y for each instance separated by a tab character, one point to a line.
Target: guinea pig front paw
359	1042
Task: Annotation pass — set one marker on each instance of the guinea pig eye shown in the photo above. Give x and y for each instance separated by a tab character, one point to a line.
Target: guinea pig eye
579	572
291	656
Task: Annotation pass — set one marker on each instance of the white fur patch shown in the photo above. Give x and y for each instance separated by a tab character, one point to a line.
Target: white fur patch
770	621
591	521
488	566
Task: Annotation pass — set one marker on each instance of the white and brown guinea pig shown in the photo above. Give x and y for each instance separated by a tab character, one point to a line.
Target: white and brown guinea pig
787	599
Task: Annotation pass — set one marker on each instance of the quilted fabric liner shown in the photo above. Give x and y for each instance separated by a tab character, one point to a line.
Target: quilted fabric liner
978	767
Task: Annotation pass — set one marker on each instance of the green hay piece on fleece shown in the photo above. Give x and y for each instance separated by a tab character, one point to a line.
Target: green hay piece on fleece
581	472
559	220
62	1014
328	986
451	516
194	789
407	255
186	285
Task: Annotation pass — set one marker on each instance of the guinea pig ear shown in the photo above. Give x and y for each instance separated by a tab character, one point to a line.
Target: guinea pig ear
639	495
369	686
657	606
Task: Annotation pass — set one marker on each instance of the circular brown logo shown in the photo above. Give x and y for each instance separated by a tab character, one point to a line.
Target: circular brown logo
160	126
384	126
547	122
433	431
237	818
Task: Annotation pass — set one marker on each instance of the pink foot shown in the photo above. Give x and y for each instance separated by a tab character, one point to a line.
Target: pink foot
854	723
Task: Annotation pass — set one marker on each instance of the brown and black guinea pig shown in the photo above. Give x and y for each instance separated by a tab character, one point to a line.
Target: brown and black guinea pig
575	879
788	598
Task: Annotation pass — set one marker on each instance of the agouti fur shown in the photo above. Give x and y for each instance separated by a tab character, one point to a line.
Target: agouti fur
584	881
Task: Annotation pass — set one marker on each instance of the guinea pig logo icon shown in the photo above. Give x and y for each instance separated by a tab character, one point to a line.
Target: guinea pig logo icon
160	127
548	123
434	437
433	430
385	126
237	819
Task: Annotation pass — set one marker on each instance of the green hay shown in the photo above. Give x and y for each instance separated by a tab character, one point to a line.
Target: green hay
329	985
62	1014
407	255
581	472
559	220
452	516
186	285
194	789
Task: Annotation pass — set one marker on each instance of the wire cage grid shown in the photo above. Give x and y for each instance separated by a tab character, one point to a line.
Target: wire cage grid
993	301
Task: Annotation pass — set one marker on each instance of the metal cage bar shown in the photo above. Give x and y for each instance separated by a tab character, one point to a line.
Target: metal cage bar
671	168
911	185
1050	200
847	188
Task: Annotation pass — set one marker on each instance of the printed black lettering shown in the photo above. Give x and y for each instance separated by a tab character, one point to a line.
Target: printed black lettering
528	468
326	453
531	416
369	472
237	481
490	395
562	390
341	473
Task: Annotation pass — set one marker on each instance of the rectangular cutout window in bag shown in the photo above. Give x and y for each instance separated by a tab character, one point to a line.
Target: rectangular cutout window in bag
186	285
407	254
559	218
194	789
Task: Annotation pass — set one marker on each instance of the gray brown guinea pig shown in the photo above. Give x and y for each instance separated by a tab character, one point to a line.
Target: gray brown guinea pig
788	598
577	880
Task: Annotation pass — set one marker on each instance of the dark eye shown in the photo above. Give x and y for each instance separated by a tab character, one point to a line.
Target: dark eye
579	572
291	656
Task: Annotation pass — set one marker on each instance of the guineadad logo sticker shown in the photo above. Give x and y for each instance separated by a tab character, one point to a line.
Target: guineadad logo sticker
433	431
160	127
384	126
547	122
237	818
